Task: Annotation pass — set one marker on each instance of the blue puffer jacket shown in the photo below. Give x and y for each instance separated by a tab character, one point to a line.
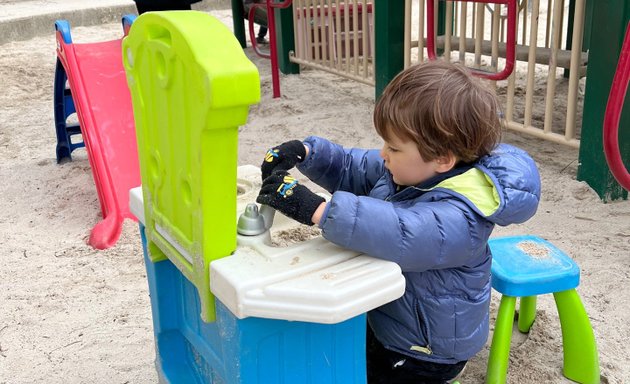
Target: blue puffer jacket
437	232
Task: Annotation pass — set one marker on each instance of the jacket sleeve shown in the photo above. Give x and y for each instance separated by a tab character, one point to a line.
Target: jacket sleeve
416	237
339	169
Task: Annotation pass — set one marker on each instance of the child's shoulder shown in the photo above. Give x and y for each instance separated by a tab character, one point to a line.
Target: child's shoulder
506	159
516	181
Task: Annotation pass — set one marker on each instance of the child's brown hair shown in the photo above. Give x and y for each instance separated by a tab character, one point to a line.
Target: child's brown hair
443	109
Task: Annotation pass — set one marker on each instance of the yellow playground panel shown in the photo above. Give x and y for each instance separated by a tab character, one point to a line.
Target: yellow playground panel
180	109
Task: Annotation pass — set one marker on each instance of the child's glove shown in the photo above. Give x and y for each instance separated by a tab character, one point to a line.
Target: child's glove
282	192
283	157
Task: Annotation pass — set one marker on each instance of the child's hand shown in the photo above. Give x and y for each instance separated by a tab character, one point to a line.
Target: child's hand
283	157
282	192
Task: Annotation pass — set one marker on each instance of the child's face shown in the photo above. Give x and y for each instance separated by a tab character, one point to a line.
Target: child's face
403	160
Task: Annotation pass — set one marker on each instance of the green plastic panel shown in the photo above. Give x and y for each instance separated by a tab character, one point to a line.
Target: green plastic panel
191	87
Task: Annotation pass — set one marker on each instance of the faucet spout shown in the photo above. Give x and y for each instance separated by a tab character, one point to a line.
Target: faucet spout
267	213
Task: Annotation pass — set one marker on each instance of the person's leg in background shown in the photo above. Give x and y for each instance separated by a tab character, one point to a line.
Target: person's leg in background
262	32
150	6
260	18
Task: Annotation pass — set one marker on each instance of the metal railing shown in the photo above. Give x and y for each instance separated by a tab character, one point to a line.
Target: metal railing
539	99
335	36
542	97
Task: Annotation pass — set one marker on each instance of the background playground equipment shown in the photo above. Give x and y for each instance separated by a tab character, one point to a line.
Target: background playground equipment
510	47
327	36
610	21
334	35
99	96
190	94
269	7
589	50
613	115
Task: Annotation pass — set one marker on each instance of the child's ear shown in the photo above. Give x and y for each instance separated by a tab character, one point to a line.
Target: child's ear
445	163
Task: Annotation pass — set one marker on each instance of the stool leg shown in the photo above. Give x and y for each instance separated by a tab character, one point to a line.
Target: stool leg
496	372
526	313
581	360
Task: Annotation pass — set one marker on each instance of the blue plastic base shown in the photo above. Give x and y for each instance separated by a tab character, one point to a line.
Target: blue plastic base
251	350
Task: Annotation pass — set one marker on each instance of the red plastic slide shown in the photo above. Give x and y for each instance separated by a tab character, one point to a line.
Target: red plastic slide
98	86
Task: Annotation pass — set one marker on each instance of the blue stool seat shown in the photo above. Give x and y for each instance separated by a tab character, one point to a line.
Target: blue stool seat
529	265
524	267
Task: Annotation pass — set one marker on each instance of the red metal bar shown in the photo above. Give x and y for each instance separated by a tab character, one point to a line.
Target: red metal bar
273	47
510	47
614	108
252	32
273	43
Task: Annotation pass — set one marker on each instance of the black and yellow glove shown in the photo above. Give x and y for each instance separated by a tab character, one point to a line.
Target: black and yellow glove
283	192
283	157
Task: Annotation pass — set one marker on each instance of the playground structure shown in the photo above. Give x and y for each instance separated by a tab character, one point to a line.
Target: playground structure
510	46
551	38
476	30
90	82
337	38
268	7
614	108
475	33
606	55
309	299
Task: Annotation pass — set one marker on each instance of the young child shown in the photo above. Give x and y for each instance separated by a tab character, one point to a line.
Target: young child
428	201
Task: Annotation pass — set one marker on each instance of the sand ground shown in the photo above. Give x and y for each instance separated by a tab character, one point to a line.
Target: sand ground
72	314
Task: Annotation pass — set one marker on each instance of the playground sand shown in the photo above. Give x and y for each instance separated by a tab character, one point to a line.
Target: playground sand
72	314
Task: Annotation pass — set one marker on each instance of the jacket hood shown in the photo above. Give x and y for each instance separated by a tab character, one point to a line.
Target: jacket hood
503	187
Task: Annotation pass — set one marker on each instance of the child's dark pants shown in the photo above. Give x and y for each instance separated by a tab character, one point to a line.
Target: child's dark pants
389	367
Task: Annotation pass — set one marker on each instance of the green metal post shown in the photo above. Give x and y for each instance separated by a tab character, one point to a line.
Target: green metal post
285	39
441	23
389	32
610	18
238	21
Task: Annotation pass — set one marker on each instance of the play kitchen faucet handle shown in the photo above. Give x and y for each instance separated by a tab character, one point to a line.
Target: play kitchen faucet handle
254	221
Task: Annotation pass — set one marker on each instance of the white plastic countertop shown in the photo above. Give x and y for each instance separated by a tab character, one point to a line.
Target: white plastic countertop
313	281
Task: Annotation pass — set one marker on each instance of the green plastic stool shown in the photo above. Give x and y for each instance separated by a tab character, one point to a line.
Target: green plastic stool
524	267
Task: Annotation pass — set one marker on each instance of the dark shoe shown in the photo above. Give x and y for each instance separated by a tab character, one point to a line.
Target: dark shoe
454	380
261	40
